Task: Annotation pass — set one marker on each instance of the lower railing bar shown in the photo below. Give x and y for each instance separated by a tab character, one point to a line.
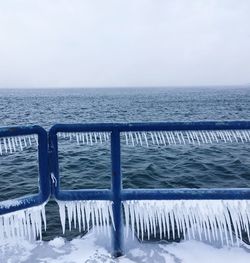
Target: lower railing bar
17	204
186	194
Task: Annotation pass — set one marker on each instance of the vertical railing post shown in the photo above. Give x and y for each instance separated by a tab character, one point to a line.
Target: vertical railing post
53	163
116	191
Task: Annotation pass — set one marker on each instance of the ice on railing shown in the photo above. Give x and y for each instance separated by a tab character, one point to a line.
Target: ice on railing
89	138
26	223
17	143
185	137
163	138
214	220
85	214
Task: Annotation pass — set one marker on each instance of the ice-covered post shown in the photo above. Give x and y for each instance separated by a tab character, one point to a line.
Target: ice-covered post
116	190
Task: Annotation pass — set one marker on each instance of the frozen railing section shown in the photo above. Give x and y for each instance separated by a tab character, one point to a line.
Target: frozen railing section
87	214
25	223
161	137
213	214
24	216
88	138
17	143
212	220
164	138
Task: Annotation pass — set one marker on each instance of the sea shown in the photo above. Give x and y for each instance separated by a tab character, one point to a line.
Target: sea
88	167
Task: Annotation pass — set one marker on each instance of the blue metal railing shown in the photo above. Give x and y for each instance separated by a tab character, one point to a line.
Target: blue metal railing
44	181
116	194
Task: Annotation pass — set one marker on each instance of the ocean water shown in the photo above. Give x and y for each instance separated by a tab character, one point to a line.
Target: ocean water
224	165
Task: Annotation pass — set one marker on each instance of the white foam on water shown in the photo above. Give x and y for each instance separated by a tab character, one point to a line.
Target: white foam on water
26	223
84	214
212	220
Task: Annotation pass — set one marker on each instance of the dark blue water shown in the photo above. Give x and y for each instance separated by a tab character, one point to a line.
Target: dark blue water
226	165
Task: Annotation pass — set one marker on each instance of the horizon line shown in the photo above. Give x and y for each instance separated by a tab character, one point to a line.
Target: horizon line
133	87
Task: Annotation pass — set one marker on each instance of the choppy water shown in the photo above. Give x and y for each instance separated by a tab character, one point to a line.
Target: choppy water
226	165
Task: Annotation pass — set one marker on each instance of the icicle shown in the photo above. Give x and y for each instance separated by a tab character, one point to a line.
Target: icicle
239	134
95	137
9	144
90	136
173	138
77	138
126	137
5	145
247	136
62	215
23	223
29	139
136	138
223	136
178	137
204	135
162	138
192	138
152	138
156	138
140	140
145	137
167	138
132	139
20	143
201	136
86	213
99	136
209	138
228	136
197	138
216	220
13	144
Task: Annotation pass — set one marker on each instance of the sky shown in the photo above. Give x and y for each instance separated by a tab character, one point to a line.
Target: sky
124	43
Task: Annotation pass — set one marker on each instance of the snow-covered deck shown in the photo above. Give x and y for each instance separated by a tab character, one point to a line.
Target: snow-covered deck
94	247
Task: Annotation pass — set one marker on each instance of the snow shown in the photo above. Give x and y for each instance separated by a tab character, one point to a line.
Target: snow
57	242
95	247
193	220
9	203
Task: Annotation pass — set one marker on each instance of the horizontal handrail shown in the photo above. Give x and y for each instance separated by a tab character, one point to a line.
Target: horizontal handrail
186	194
152	126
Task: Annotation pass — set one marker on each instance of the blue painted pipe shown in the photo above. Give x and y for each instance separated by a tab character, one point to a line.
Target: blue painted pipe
86	194
116	190
152	126
186	194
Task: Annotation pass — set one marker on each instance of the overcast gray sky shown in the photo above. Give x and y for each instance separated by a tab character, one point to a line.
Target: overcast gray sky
85	43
